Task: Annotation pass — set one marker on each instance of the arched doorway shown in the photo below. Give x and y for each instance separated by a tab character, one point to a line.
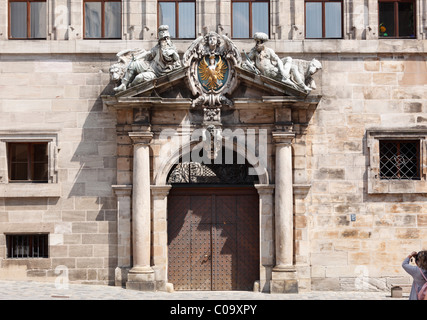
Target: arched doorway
213	227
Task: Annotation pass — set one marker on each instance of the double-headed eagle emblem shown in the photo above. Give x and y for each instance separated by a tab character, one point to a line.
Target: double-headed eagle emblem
213	72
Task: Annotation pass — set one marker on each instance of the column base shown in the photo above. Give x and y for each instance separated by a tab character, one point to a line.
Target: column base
284	280
141	279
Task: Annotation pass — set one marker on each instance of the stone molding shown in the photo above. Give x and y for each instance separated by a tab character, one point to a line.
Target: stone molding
141	137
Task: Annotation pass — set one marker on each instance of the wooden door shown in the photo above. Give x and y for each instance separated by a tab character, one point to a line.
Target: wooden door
213	238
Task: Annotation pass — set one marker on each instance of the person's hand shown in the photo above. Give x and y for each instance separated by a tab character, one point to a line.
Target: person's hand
412	254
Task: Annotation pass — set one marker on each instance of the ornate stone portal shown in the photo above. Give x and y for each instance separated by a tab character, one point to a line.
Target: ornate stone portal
213	89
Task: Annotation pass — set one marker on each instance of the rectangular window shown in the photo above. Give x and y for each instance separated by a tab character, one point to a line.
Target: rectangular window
27	246
27	19
396	18
28	162
323	19
249	17
102	19
180	16
400	160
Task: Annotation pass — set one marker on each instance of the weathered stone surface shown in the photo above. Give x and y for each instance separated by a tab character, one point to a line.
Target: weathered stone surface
55	86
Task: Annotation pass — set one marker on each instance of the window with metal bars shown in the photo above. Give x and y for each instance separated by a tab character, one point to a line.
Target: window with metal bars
400	160
27	246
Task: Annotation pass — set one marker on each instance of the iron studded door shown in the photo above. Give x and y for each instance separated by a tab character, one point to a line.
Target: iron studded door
213	236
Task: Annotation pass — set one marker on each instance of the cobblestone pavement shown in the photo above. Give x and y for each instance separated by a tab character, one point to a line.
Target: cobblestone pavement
28	290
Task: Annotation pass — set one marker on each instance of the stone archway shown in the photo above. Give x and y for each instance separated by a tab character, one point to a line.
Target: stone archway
259	188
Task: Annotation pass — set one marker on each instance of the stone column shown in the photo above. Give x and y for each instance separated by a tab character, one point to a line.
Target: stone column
123	194
141	276
284	277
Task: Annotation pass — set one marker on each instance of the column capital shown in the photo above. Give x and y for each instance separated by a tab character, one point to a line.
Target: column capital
122	190
264	188
160	191
141	137
282	137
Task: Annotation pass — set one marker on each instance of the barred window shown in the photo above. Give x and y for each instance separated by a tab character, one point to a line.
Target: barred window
400	160
27	246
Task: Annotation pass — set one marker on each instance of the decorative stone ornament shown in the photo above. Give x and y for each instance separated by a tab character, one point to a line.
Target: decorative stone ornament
211	60
138	65
294	73
211	75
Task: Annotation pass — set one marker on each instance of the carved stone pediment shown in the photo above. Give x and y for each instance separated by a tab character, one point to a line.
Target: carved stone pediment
212	80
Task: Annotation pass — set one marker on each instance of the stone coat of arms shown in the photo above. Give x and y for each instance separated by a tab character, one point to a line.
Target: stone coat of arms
211	76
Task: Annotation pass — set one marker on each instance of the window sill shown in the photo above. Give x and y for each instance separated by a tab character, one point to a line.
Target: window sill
291	47
396	186
30	190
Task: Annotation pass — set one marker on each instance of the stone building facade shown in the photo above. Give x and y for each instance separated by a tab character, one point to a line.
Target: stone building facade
330	212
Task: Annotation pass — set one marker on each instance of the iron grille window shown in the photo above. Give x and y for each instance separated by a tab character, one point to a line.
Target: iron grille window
27	246
400	160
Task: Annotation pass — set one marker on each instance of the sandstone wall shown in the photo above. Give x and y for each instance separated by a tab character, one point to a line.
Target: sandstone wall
59	95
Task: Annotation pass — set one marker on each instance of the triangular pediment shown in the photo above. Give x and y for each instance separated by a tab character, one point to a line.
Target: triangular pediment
174	89
248	82
158	87
264	86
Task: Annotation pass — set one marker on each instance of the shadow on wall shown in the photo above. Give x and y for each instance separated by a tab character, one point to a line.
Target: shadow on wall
92	152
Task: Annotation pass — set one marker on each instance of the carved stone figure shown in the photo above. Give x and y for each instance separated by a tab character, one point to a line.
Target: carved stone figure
146	65
296	73
305	70
212	141
212	44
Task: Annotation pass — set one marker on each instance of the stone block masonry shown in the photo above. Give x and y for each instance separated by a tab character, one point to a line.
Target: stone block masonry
79	212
